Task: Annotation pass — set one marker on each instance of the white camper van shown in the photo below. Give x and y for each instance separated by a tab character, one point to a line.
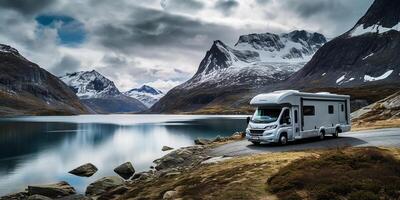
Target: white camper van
290	115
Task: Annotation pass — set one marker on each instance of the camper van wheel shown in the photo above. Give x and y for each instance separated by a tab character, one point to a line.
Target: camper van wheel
322	135
336	133
283	139
256	143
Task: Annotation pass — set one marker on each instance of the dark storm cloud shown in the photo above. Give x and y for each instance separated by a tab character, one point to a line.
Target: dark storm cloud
310	8
153	30
182	5
226	6
66	65
26	7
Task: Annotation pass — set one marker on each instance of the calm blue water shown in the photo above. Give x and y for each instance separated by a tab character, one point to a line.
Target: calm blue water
41	150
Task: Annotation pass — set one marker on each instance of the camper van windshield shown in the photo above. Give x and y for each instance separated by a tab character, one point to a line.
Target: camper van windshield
266	115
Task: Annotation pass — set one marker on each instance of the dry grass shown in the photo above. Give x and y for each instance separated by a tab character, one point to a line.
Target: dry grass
239	178
354	174
362	125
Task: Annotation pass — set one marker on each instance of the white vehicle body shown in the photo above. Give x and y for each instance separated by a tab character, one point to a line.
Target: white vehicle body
291	115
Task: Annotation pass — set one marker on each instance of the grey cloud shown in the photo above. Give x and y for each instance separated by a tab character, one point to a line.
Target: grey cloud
152	32
26	7
66	65
182	5
226	6
263	2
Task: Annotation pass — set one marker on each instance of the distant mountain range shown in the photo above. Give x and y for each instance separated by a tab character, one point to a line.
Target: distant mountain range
256	60
101	94
145	94
27	89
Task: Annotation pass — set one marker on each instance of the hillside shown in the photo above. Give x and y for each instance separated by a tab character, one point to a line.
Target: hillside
27	89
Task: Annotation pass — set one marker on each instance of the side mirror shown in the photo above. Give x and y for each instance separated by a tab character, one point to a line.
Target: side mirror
248	120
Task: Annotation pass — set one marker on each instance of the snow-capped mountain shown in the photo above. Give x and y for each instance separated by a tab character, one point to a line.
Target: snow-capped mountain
100	93
254	61
368	54
145	94
27	89
90	84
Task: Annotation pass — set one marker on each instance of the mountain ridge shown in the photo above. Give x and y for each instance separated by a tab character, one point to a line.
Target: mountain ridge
27	89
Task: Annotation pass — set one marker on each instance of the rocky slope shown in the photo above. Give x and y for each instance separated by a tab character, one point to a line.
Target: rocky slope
227	72
100	94
385	109
365	55
145	94
27	89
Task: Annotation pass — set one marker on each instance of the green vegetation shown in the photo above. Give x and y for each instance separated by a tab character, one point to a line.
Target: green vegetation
354	174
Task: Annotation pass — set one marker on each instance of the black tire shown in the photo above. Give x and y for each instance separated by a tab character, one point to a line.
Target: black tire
322	136
283	140
256	143
336	133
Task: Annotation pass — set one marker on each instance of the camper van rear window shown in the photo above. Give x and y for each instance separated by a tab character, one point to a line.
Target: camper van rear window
308	110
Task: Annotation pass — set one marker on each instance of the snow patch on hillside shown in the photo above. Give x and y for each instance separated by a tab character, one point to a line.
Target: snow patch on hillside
368	78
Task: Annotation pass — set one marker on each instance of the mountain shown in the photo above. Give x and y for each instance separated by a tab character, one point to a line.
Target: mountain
27	89
100	94
227	73
145	94
366	55
363	62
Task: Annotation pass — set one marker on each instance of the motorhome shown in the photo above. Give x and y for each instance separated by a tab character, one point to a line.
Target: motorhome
291	115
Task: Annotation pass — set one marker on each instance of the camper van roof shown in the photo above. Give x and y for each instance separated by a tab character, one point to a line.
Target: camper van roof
283	97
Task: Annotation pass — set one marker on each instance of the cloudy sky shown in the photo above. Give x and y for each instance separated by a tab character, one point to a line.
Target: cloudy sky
155	42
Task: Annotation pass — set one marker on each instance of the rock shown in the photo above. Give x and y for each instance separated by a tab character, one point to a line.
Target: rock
16	196
125	170
172	194
103	185
166	148
85	170
200	141
38	197
56	190
76	197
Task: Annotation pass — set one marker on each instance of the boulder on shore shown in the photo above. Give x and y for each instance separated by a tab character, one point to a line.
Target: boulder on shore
166	148
56	190
103	185
38	197
125	170
86	170
200	141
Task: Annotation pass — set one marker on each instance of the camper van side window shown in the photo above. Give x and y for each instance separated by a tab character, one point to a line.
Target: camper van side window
295	117
308	110
342	107
330	109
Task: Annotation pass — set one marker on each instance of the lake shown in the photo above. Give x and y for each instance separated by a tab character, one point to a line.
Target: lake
41	150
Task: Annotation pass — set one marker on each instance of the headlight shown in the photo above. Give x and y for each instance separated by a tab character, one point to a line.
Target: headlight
271	127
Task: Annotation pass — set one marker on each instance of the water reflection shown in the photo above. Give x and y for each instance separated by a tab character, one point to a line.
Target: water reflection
40	150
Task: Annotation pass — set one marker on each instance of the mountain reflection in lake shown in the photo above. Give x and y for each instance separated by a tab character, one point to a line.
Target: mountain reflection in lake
41	150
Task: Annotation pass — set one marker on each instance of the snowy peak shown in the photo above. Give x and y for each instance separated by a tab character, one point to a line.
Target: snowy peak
147	89
90	84
297	44
385	13
381	17
145	94
253	49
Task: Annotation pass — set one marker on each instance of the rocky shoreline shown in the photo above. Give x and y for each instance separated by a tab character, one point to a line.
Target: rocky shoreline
112	187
